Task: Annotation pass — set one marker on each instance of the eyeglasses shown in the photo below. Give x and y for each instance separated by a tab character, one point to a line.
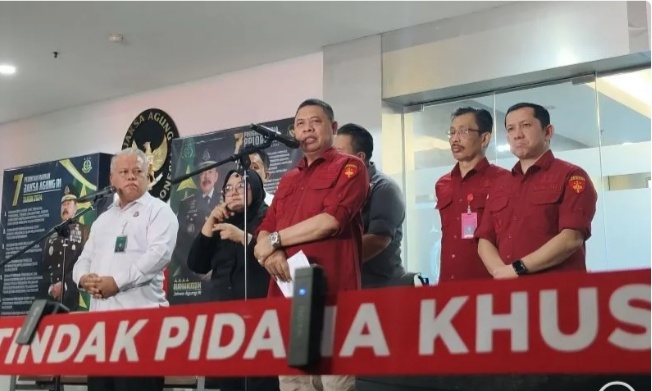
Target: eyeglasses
228	189
462	132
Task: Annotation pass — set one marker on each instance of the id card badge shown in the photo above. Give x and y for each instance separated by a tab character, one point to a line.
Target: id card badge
120	244
469	224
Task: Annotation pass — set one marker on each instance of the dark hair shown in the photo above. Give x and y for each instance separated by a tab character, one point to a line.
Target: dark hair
318	102
361	139
264	157
482	117
540	112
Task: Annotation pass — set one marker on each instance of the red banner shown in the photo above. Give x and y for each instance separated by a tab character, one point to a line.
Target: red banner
561	323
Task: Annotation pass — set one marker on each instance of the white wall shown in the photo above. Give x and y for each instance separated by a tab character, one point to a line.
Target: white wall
264	93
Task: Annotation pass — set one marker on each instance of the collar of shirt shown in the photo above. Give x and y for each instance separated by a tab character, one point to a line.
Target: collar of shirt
480	168
543	163
209	195
327	155
143	200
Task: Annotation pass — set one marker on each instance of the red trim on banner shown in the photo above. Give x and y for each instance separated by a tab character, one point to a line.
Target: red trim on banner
561	323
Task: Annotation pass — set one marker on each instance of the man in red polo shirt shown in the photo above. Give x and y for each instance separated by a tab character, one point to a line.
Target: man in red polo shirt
539	217
461	194
317	210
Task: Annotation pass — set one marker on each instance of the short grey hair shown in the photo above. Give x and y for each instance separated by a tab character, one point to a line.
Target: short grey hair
140	155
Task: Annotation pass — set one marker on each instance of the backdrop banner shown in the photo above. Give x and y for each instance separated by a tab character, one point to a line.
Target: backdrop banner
193	199
36	198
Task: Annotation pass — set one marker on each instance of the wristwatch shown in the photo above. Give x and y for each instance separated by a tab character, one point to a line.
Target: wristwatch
519	267
275	240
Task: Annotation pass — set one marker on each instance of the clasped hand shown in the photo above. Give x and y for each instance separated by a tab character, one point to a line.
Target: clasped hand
99	287
274	261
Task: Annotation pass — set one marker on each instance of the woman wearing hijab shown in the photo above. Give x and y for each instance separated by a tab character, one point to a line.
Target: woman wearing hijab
220	248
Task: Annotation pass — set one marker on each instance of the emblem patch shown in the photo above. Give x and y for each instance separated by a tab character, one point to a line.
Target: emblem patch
577	183
350	170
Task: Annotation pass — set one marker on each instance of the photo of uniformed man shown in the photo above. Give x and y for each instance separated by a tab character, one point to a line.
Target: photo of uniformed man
193	211
68	246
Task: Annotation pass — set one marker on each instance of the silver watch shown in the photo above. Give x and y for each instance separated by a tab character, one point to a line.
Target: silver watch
275	240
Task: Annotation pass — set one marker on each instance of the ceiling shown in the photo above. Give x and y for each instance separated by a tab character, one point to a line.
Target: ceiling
172	42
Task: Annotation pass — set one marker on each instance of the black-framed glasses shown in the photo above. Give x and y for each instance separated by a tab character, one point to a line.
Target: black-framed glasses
462	132
228	189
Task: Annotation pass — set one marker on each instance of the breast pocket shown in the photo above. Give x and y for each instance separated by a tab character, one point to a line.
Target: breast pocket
499	213
445	209
542	215
136	232
320	194
479	202
282	204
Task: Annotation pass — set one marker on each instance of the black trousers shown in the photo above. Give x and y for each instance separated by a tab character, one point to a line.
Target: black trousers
126	383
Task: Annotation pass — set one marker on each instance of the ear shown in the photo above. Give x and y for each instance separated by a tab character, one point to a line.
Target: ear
362	156
266	175
486	139
334	125
548	132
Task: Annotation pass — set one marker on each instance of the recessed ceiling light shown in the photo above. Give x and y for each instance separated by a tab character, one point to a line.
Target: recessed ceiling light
116	38
6	69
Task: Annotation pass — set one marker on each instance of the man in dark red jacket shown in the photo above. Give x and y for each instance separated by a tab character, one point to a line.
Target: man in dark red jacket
317	210
539	216
461	194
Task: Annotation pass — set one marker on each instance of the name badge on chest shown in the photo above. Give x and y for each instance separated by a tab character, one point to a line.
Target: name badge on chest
120	244
121	240
469	220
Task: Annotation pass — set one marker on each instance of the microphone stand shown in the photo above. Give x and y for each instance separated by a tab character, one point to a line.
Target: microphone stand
62	229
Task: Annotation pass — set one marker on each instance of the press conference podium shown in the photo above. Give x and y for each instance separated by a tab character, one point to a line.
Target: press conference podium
542	361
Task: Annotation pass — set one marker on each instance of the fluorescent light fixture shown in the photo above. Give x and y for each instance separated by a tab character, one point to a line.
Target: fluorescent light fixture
6	69
631	89
502	148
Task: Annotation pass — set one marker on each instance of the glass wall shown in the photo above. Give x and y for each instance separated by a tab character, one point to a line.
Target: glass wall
602	124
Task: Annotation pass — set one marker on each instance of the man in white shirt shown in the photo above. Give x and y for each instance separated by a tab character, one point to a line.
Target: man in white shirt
128	248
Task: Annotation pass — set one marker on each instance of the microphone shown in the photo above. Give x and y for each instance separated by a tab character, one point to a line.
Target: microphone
107	191
269	133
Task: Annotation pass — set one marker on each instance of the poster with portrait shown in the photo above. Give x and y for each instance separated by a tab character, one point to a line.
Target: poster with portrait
35	199
193	199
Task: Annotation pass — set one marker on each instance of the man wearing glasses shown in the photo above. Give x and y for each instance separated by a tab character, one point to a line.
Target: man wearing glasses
461	194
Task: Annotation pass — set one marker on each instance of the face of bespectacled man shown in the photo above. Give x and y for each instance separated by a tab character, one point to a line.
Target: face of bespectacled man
466	139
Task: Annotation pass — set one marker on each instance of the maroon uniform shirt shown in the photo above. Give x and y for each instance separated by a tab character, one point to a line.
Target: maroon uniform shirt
459	256
336	184
525	211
